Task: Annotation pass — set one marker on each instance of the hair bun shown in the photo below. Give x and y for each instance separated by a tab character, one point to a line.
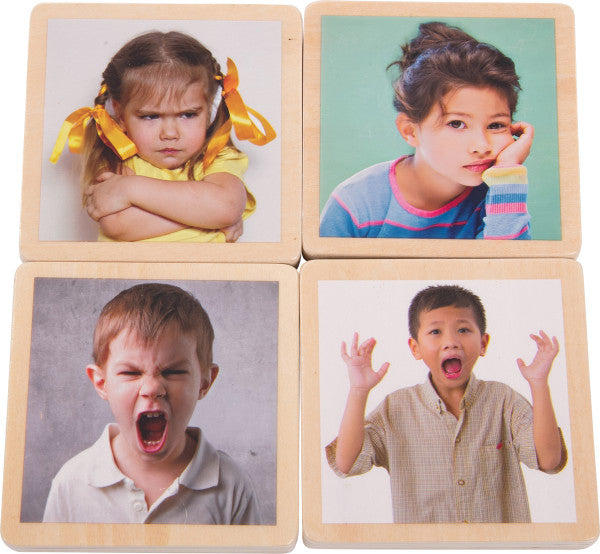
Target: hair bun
433	34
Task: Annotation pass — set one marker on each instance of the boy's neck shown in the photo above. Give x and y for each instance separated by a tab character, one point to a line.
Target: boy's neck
452	399
153	476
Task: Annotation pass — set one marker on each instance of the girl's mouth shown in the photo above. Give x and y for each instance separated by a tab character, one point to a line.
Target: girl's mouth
479	167
151	431
452	368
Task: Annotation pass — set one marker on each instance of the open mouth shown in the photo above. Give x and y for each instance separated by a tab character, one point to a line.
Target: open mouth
452	368
152	431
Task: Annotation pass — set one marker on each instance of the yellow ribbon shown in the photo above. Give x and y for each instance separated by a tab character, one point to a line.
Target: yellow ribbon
245	128
73	130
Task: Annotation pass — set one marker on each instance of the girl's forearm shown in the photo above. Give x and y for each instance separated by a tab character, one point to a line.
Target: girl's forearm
134	224
213	203
352	430
546	435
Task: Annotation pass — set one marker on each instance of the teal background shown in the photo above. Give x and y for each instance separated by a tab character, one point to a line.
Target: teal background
358	117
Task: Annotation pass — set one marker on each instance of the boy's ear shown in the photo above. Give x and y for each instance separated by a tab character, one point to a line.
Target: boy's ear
408	129
485	341
414	348
207	382
97	377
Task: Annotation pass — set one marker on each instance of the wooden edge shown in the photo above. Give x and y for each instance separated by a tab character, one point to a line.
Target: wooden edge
287	250
568	247
580	534
279	537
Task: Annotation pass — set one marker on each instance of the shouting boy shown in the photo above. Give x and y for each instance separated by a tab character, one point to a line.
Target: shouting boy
152	362
452	445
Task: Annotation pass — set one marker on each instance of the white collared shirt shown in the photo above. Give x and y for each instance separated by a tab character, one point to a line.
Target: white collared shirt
212	489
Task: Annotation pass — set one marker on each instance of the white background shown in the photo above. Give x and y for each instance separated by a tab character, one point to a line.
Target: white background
514	309
14	39
90	46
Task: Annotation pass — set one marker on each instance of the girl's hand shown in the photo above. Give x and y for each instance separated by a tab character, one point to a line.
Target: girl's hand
537	372
233	232
360	368
108	195
518	150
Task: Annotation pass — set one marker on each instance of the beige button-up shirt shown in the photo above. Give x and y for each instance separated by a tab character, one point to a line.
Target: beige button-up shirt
444	470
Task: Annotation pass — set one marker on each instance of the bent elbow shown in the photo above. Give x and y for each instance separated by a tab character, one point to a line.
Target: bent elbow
112	226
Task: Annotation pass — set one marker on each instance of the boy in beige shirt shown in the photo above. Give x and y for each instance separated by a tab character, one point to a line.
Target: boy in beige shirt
452	445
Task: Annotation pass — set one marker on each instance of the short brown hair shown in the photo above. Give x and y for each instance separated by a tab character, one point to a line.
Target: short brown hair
441	296
442	58
146	310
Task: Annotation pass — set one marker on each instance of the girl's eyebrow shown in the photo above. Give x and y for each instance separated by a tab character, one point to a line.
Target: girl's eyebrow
465	114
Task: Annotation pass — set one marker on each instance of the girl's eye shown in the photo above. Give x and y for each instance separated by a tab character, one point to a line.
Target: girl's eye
456	124
149	117
189	115
497	125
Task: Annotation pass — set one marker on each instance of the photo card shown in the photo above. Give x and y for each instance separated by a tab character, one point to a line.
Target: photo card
184	374
246	74
445	360
431	126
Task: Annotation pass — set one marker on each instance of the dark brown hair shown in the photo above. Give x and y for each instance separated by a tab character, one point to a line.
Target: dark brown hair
442	58
145	311
153	65
441	296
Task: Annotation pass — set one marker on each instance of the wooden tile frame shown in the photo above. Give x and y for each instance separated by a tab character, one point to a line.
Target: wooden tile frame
287	250
536	535
568	246
280	537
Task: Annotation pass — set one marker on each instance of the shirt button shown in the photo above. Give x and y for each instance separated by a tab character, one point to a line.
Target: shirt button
137	506
461	482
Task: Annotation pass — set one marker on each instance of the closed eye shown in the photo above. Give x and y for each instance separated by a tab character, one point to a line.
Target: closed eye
174	372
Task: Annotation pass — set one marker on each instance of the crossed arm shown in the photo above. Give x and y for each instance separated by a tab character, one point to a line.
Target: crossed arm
132	207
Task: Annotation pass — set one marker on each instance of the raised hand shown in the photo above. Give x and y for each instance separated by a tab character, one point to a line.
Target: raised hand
518	150
359	363
537	372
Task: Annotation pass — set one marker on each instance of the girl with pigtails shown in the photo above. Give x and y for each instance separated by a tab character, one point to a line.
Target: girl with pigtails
455	99
158	160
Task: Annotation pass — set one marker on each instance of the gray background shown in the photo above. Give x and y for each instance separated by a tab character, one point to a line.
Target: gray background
65	415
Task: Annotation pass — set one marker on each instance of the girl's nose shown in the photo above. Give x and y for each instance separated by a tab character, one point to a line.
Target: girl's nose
152	387
169	130
480	143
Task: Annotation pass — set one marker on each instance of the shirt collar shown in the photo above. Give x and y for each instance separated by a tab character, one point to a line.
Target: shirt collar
103	470
203	470
201	473
435	403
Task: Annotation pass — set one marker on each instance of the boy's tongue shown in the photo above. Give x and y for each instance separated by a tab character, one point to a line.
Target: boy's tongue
452	367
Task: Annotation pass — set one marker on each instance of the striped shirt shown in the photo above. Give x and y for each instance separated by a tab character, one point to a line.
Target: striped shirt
370	204
444	470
